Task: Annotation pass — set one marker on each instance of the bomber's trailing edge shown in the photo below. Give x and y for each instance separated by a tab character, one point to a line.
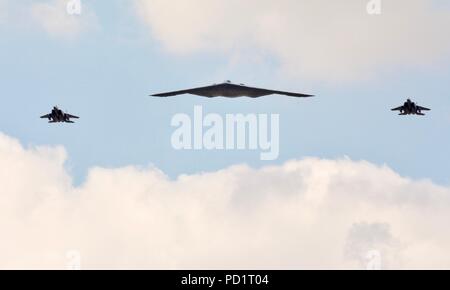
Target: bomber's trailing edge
230	90
411	108
58	116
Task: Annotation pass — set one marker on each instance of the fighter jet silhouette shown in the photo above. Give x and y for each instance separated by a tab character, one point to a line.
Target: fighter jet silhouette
411	108
58	116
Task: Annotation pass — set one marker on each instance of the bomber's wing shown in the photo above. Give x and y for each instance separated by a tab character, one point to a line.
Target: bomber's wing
46	116
265	92
423	108
202	91
72	116
398	108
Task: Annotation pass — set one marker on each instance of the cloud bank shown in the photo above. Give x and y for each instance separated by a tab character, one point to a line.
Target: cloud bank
304	214
319	40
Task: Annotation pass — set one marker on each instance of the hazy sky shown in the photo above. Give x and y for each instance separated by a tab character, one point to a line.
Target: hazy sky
103	64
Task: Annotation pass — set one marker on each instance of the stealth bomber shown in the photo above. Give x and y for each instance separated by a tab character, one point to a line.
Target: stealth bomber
230	90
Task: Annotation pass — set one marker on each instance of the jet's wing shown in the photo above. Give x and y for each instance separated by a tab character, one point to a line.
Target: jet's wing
398	108
46	116
423	108
72	116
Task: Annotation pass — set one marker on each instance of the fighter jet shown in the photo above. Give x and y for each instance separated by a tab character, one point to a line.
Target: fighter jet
58	116
411	108
230	90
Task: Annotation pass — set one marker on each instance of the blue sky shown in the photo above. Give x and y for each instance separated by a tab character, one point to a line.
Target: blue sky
105	76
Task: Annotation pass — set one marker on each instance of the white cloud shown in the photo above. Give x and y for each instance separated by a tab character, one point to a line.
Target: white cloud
50	16
319	40
54	18
304	214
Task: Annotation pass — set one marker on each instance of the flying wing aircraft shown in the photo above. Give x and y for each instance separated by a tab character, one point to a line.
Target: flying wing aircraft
230	90
411	108
58	116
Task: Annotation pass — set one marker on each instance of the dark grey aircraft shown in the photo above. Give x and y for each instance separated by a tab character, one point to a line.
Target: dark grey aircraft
411	108
230	90
58	116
